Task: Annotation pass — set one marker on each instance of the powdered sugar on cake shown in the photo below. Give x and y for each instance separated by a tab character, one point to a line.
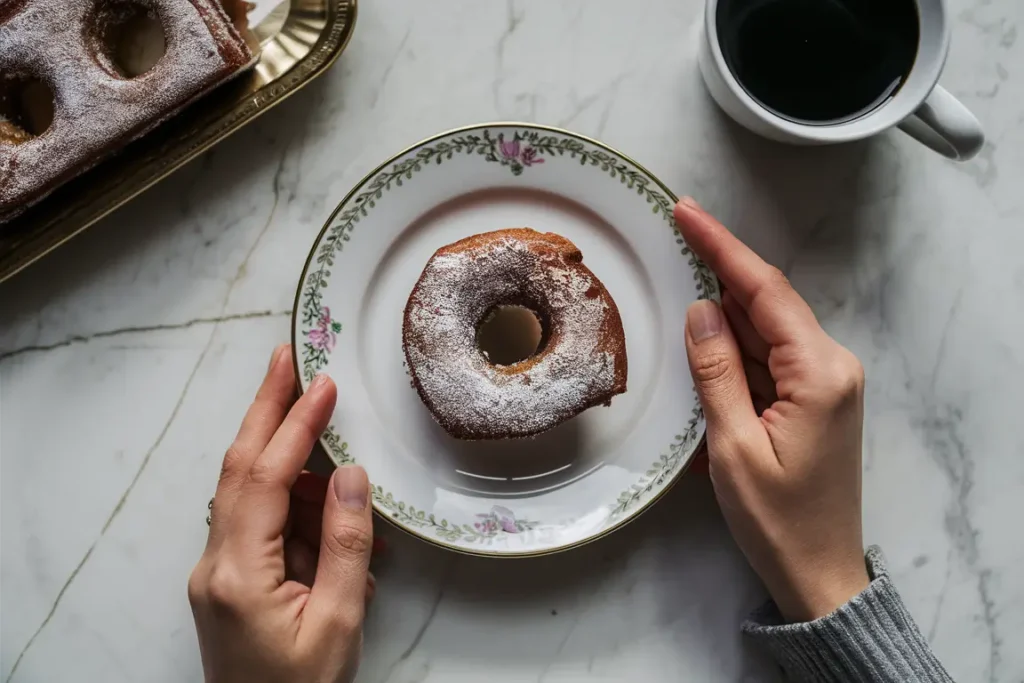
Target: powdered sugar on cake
95	110
576	370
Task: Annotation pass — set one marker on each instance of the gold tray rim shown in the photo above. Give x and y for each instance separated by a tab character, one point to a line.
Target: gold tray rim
331	43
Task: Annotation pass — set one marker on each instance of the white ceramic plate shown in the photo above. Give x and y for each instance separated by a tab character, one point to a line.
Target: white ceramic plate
568	486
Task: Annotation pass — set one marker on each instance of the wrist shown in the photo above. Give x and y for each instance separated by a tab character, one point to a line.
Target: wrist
816	592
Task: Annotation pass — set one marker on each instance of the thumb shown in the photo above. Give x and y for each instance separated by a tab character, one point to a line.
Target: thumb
338	597
717	368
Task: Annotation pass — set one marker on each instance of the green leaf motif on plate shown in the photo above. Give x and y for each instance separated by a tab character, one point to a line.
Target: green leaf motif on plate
662	469
522	150
320	341
500	521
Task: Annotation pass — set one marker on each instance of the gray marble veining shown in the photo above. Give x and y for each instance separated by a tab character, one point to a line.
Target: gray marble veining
128	358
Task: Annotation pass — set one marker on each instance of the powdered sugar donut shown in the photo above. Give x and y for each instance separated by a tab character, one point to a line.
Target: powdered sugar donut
581	358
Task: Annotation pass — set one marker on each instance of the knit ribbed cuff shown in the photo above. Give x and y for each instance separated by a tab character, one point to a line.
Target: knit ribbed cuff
870	639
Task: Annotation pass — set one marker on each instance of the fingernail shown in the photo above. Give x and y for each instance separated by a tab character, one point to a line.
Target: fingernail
690	202
351	487
276	355
318	382
704	319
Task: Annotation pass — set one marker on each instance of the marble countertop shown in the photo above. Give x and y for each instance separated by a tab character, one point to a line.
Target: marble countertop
128	358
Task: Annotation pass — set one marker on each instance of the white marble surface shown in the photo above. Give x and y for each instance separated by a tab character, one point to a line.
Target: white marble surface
128	358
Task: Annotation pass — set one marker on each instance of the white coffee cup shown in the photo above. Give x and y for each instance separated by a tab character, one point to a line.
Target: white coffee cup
921	107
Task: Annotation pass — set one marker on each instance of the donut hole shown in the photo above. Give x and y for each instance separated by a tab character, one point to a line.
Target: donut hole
128	37
26	108
510	334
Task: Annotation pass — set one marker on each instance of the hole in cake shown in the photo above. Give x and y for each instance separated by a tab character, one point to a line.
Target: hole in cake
131	37
26	109
509	335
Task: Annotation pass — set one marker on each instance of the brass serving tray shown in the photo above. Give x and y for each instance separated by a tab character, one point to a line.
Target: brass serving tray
300	39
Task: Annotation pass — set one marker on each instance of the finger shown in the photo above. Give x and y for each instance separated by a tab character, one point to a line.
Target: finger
263	418
749	340
338	599
262	506
299	562
717	368
776	311
307	521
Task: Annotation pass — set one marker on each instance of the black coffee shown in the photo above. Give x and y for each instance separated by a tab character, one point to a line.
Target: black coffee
819	61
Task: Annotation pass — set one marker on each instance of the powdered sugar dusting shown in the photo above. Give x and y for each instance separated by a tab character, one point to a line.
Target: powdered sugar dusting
575	370
96	110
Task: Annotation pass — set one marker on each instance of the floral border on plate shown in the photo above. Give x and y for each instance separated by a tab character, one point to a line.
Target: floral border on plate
524	149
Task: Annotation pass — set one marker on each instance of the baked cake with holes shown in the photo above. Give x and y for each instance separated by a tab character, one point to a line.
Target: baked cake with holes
79	80
507	334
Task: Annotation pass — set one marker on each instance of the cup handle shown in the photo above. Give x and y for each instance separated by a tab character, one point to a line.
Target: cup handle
946	126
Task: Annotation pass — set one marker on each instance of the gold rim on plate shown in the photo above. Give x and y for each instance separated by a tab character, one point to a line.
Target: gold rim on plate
382	514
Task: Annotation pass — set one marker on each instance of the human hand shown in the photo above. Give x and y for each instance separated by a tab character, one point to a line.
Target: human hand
784	408
279	593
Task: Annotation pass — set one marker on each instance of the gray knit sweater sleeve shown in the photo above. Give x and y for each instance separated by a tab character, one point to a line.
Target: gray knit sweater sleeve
871	639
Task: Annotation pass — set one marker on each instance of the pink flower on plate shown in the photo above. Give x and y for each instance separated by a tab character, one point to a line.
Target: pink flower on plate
529	157
325	336
506	518
500	519
510	150
487	525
